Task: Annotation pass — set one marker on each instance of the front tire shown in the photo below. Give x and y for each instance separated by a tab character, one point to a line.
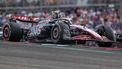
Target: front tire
105	30
58	31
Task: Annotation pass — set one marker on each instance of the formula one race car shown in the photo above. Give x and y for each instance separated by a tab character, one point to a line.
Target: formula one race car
56	30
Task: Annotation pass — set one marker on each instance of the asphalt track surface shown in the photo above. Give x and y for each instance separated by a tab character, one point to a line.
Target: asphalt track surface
18	55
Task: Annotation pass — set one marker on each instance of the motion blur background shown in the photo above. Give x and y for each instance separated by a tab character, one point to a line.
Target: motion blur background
31	4
38	7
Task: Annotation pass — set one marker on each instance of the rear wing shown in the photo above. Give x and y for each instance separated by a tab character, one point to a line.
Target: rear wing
25	18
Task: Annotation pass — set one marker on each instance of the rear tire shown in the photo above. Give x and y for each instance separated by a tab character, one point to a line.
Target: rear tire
12	32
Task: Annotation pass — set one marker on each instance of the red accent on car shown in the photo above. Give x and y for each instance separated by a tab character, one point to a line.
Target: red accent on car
26	18
92	35
82	37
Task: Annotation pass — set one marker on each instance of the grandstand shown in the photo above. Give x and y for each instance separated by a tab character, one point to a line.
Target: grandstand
32	4
38	7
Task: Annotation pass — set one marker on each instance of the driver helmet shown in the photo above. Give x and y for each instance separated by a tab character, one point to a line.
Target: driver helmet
56	14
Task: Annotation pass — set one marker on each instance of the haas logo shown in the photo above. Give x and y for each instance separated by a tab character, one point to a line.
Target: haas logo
35	31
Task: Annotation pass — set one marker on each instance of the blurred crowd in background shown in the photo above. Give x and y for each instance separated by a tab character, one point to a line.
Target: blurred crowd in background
91	16
13	3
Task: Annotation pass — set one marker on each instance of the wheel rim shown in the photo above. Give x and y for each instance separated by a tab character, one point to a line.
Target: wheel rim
6	33
55	33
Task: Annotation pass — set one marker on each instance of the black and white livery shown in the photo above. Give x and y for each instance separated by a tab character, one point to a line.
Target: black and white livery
57	30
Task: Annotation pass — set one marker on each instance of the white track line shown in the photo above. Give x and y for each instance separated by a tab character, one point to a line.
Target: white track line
48	44
63	45
59	45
